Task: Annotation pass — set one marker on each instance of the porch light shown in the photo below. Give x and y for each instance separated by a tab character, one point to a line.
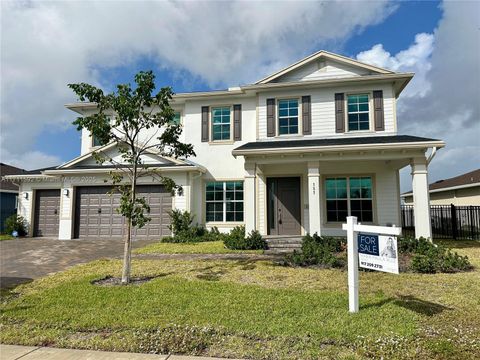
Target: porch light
65	192
25	196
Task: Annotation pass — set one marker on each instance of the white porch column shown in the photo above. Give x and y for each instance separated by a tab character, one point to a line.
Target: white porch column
66	212
249	197
314	191
421	198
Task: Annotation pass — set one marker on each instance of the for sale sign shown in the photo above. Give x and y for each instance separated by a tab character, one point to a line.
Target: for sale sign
378	252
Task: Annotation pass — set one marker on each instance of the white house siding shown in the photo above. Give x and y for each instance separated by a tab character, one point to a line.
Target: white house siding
319	70
217	157
323	110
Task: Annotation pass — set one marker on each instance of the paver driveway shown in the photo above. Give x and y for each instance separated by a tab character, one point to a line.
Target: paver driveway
22	260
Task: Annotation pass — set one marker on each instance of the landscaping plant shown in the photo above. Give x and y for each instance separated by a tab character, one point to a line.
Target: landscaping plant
236	240
430	258
120	118
16	223
318	250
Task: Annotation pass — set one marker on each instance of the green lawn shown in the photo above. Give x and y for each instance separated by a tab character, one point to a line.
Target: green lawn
251	309
6	237
208	247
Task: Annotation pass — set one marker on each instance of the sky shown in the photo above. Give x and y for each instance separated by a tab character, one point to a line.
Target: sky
216	44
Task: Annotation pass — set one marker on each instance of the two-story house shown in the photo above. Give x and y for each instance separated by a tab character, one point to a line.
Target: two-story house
294	153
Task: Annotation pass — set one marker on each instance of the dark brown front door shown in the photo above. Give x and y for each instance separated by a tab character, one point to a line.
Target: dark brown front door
47	208
283	208
96	215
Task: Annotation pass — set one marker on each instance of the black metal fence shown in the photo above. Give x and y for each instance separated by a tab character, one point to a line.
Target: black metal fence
448	221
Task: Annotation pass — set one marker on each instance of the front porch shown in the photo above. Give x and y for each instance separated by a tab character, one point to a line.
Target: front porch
298	192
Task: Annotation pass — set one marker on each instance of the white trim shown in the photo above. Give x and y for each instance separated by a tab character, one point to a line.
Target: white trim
108	169
9	191
332	148
399	86
328	55
108	147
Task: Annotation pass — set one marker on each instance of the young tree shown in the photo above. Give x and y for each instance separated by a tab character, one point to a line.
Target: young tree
135	113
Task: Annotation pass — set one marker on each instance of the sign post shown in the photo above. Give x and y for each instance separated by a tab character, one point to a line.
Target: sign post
376	246
352	255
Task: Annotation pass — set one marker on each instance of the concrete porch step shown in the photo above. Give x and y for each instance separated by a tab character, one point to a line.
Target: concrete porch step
283	244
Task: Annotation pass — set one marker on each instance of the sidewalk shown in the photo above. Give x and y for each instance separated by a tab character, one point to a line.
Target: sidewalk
14	352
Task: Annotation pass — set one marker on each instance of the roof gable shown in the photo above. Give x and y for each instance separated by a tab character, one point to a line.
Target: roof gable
110	151
323	65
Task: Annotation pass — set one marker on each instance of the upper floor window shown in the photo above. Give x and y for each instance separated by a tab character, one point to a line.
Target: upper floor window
95	141
287	116
349	196
358	112
176	119
221	123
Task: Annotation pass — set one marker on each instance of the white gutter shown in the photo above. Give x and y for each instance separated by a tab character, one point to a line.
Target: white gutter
333	148
103	170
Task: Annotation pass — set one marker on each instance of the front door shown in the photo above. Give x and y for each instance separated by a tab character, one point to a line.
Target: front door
283	208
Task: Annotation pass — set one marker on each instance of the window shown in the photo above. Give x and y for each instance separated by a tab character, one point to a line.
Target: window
358	115
224	201
349	195
221	123
176	118
288	116
95	141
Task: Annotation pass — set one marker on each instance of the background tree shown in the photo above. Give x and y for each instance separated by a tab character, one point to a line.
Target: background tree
125	117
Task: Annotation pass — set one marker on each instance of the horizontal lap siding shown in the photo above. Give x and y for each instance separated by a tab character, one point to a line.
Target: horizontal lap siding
323	108
387	196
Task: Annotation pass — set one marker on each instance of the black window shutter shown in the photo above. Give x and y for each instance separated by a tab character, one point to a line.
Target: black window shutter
378	110
205	134
307	115
340	112
270	117
237	122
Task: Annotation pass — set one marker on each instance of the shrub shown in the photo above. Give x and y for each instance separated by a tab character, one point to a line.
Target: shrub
16	223
429	258
235	240
318	250
180	221
423	264
255	241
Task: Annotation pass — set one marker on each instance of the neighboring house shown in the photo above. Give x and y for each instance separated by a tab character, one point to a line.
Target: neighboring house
293	153
462	190
8	193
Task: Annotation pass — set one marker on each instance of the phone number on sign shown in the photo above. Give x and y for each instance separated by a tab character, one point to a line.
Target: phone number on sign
371	265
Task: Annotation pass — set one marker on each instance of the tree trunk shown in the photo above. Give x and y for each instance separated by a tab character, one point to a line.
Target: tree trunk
127	250
127	254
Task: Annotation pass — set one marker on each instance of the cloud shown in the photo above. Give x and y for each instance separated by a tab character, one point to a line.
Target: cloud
32	160
414	59
46	45
443	100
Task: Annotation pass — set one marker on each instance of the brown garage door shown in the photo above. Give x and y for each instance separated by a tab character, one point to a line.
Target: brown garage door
47	208
96	215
